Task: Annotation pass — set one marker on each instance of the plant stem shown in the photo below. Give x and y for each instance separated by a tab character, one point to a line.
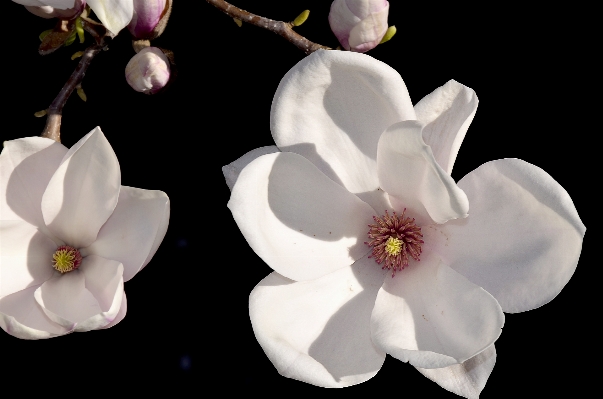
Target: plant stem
284	29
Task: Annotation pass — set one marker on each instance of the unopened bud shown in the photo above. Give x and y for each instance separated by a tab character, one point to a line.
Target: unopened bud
359	24
148	71
48	11
149	18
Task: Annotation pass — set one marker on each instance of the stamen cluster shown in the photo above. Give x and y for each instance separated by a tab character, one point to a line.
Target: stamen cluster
394	238
66	259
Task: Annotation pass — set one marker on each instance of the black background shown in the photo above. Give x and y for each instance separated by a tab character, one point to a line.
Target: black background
187	326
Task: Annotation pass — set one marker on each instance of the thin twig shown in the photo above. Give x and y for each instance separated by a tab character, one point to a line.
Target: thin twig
284	29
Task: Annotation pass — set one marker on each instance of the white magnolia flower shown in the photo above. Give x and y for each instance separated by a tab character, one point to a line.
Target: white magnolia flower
359	24
114	14
148	71
352	150
70	236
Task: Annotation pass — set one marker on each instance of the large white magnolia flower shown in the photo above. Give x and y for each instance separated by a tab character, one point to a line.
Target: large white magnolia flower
70	236
114	14
358	190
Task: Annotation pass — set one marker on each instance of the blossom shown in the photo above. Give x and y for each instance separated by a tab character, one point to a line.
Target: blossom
146	18
53	12
359	24
70	236
352	150
148	71
114	14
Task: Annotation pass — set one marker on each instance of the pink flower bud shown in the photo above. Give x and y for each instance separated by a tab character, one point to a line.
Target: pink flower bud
148	71
147	14
53	12
359	24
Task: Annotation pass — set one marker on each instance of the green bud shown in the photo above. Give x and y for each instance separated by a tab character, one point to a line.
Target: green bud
301	18
391	31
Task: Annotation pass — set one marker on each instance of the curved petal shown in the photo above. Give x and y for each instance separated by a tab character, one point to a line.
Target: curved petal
121	313
296	219
466	379
523	237
26	167
431	316
65	299
232	170
446	114
318	331
20	316
83	192
25	256
135	229
114	14
409	172
332	107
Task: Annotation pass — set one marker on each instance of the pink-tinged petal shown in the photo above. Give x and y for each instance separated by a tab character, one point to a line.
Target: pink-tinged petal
135	229
66	301
26	167
121	313
300	222
25	256
114	14
446	113
409	172
332	107
523	236
433	317
232	170
318	331
83	192
368	33
146	16
467	379
342	20
21	317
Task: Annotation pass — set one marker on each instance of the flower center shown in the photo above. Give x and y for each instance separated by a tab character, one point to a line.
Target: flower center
394	238
66	259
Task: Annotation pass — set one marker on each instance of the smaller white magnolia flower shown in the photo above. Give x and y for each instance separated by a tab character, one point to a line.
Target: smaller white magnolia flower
70	236
148	71
359	24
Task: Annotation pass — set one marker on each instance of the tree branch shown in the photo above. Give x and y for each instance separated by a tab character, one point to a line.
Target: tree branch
284	29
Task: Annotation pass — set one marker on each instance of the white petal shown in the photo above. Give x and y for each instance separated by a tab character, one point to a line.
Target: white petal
446	113
25	256
135	229
318	331
523	237
232	170
104	279
431	316
83	192
21	317
368	33
114	14
332	108
296	219
409	172
466	379
121	313
65	299
26	166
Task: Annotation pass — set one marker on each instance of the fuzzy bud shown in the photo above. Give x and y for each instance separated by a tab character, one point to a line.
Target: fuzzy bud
48	11
359	24
149	18
148	71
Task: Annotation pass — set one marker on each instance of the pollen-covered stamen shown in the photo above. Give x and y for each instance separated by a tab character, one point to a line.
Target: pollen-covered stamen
394	238
66	259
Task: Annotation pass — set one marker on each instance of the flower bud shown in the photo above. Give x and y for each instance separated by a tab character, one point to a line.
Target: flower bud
150	18
148	71
48	11
359	24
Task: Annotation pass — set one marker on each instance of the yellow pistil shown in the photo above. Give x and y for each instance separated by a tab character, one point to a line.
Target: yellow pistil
66	259
393	246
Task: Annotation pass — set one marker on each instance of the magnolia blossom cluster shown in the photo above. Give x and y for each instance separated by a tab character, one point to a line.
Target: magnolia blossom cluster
376	250
148	71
